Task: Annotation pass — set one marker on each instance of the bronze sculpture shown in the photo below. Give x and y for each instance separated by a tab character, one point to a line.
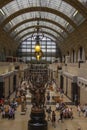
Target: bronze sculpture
37	86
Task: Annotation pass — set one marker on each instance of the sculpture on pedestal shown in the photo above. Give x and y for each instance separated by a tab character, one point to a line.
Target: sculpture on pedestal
38	79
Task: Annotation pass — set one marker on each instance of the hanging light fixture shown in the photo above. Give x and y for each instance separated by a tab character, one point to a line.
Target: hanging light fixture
39	55
39	36
37	46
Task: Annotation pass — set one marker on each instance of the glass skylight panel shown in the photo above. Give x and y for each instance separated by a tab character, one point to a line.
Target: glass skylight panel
48	58
62	22
23	26
23	3
33	58
59	5
53	50
54	4
20	28
26	31
69	28
78	19
84	2
67	9
57	19
15	6
49	47
49	37
44	29
44	50
43	47
54	47
51	16
24	38
11	8
45	35
23	46
17	19
52	26
44	2
49	50
50	31
27	15
35	14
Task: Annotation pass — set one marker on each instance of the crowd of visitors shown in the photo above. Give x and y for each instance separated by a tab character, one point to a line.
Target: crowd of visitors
63	111
60	113
8	106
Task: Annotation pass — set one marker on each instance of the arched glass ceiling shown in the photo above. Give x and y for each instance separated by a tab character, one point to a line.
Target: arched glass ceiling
41	27
63	6
40	23
59	5
47	24
30	33
84	2
25	16
32	30
28	36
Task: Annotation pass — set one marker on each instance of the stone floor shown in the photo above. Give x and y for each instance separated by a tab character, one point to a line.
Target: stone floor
21	121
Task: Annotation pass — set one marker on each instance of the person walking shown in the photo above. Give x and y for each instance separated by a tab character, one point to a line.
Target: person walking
61	116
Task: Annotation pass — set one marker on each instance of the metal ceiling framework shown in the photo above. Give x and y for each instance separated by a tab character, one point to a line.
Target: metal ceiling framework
37	19
29	33
74	3
42	24
35	26
33	9
45	9
44	30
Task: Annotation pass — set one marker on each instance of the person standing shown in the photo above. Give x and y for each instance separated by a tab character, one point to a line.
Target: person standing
76	99
49	113
53	119
48	97
79	109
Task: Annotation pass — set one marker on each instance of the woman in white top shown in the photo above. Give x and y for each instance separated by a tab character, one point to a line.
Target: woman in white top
79	110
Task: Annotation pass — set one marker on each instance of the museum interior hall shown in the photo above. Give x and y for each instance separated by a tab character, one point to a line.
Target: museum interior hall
43	64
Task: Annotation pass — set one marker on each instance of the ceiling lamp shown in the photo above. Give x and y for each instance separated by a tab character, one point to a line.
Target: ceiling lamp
37	46
39	36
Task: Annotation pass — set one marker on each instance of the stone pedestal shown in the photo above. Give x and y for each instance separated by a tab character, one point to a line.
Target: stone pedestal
37	121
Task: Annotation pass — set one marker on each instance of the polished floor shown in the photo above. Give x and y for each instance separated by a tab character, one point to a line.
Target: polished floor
21	121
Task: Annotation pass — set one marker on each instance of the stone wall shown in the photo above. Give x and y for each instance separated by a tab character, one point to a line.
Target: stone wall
76	39
7	44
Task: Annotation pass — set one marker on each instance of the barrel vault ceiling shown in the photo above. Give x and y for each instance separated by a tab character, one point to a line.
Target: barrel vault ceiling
57	18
